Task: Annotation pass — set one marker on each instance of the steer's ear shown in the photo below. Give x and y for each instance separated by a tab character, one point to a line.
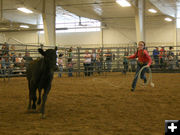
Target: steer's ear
41	51
55	48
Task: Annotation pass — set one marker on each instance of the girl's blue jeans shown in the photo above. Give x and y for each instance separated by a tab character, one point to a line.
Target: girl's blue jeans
142	75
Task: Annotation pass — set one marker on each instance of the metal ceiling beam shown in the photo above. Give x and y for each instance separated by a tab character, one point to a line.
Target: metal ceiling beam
165	7
76	9
87	4
23	30
1	10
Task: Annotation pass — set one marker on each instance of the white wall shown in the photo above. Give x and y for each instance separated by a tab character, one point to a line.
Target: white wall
22	37
111	36
119	36
76	39
162	34
155	34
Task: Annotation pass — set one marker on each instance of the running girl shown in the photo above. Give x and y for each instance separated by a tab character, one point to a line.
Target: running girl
143	60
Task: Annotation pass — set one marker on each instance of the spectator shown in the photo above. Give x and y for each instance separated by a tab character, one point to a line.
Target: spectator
93	61
178	59
70	63
162	56
20	61
133	65
108	60
2	65
170	56
13	53
5	57
60	65
27	58
125	63
70	54
1	58
114	57
99	60
5	64
5	49
156	56
70	68
87	63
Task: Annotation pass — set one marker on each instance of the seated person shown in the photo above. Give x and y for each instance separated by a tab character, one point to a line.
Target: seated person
19	61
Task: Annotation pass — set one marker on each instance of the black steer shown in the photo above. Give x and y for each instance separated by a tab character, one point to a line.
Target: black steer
40	75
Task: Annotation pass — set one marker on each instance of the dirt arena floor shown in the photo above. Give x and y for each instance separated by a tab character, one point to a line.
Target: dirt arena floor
99	105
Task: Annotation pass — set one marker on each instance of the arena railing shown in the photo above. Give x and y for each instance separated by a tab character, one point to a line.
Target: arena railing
9	66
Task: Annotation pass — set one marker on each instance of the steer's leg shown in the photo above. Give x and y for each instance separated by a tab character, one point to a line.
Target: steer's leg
34	97
30	95
46	91
39	99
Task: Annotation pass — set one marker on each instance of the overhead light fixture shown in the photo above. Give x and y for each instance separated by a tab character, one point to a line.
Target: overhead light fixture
24	26
152	10
168	19
123	3
97	8
25	10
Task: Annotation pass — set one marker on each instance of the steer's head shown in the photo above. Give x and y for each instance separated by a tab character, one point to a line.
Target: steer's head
49	57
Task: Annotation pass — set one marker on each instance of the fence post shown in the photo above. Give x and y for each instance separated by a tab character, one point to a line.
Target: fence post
78	53
118	60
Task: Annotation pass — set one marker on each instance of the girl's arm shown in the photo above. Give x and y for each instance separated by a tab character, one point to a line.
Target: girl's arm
133	56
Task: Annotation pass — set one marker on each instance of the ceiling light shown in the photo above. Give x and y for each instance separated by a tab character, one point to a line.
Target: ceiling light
123	3
97	8
24	26
152	10
25	10
168	19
